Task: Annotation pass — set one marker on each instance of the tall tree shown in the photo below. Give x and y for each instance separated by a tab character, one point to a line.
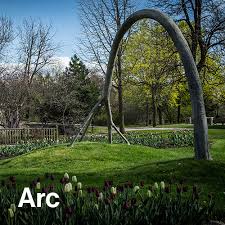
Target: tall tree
150	61
35	50
205	20
100	20
6	33
6	37
67	96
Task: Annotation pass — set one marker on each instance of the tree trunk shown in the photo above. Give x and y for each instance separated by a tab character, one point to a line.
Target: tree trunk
63	120
160	116
120	93
178	113
217	111
13	119
194	45
178	110
154	108
147	113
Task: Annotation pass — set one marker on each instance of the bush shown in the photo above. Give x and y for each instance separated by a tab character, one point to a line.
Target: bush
124	204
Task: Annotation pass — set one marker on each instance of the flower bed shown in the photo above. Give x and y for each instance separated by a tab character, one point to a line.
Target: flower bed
25	147
127	204
159	140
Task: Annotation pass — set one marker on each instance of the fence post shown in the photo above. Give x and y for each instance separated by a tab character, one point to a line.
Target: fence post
57	133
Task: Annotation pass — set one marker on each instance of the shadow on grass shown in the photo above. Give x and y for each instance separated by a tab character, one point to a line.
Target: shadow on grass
210	174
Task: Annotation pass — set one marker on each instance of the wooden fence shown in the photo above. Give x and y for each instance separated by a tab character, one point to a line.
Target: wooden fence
13	136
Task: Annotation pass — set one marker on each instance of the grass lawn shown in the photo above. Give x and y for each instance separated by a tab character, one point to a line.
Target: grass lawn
104	130
95	162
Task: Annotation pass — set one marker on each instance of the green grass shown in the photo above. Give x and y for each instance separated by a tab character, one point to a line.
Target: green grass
217	134
103	129
95	162
181	125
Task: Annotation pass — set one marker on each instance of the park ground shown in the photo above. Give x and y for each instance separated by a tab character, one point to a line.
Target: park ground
93	163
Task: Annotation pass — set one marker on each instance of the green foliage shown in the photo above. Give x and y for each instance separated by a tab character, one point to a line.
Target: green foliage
67	96
153	71
154	77
184	138
158	140
25	147
125	204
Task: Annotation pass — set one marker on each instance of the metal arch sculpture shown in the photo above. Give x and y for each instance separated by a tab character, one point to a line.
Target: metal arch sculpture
191	72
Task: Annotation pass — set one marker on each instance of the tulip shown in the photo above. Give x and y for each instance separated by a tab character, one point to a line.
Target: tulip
74	179
96	206
113	190
156	186
11	213
68	187
79	185
13	207
162	184
80	193
66	175
38	185
136	189
149	193
100	198
71	186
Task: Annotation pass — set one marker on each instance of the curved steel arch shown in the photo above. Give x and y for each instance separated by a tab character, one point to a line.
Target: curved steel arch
191	72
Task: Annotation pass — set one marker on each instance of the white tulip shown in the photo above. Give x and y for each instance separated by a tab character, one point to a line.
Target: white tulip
113	190
136	189
80	193
79	185
149	193
96	206
74	179
66	175
156	186
68	187
38	185
13	207
11	213
100	198
162	184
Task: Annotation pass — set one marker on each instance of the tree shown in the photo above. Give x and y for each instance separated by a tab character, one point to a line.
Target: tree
87	90
195	89
150	62
100	20
213	81
6	37
205	20
6	34
66	96
11	86
36	50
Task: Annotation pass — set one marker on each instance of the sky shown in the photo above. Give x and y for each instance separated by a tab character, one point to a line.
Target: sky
62	14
